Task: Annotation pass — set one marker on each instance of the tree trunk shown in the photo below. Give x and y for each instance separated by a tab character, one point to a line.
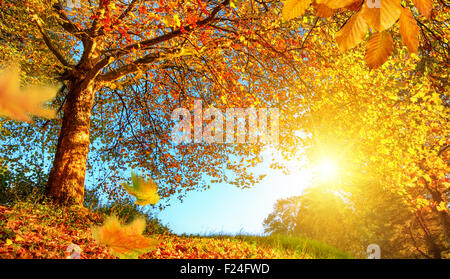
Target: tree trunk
66	180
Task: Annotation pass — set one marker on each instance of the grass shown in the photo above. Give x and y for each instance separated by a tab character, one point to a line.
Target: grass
298	244
44	230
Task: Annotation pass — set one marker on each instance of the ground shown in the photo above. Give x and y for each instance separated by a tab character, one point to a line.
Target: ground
30	231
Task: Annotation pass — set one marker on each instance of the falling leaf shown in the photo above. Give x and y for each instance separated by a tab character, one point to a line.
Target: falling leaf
124	241
424	7
409	30
355	6
336	4
323	10
145	192
17	103
383	17
294	8
352	33
379	47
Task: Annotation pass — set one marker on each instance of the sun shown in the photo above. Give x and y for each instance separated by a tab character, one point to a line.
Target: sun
327	169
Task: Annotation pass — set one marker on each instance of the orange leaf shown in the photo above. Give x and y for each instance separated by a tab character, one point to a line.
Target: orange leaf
323	10
409	30
17	103
125	241
336	4
352	33
294	8
355	6
379	47
424	7
383	17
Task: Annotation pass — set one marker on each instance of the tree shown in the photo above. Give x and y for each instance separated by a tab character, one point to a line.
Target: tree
149	58
319	213
283	219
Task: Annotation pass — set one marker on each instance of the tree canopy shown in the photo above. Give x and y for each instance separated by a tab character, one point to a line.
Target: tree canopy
367	87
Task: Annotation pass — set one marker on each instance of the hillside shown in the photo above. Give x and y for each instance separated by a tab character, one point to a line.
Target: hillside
30	231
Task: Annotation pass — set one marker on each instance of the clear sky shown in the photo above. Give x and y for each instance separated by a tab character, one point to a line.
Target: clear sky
229	210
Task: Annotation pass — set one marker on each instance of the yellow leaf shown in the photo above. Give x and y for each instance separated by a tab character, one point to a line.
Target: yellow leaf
224	99
8	242
441	207
424	7
323	10
17	103
233	4
145	191
409	30
294	8
427	178
336	4
379	47
383	17
124	241
19	238
352	33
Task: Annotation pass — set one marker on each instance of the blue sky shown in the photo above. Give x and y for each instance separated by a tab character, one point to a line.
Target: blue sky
230	210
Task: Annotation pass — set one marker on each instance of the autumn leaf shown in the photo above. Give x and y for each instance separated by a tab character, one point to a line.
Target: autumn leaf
352	33
355	6
409	30
383	17
336	4
19	104
441	207
424	7
294	8
145	191
323	10
379	47
124	241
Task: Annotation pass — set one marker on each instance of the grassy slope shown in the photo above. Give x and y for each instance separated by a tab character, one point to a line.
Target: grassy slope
45	231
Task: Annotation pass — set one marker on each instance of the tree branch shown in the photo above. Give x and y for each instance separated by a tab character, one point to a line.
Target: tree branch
67	24
48	42
129	68
149	58
175	33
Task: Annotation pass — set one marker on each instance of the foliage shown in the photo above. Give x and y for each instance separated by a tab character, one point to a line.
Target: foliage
149	59
127	65
320	214
45	230
17	186
379	17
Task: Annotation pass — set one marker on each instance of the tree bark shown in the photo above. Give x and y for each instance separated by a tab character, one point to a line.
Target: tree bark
66	180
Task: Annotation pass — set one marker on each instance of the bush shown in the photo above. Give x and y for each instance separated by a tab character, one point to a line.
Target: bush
15	187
